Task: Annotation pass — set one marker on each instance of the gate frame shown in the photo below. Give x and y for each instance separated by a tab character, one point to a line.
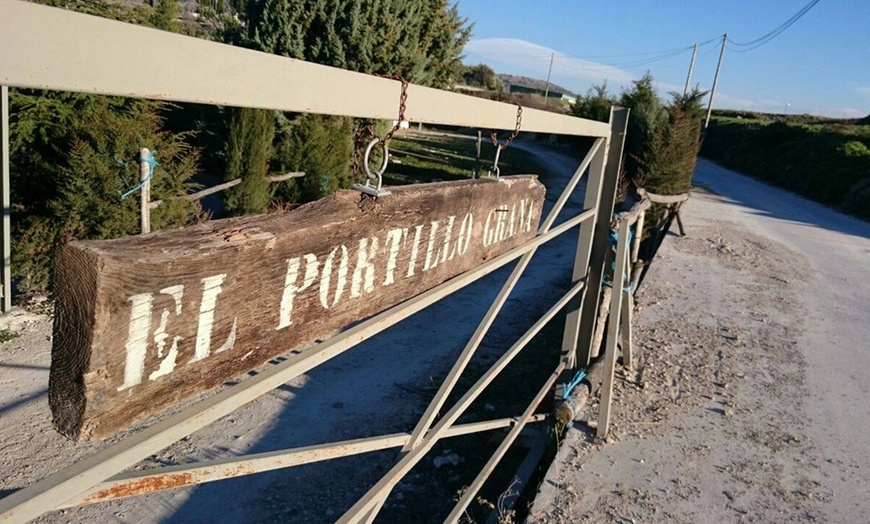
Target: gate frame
37	51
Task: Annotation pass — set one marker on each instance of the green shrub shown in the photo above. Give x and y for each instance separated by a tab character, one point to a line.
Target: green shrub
72	157
247	154
321	146
826	163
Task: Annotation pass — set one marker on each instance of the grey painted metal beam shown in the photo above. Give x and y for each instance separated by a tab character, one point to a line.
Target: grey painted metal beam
135	483
600	244
613	328
49	48
6	221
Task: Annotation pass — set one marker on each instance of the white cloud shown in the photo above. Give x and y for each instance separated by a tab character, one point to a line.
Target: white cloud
530	58
521	57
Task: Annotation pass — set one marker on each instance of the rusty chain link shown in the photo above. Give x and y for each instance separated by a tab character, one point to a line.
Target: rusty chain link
365	133
494	137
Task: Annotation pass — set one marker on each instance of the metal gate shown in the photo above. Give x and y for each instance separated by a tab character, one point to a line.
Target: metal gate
48	48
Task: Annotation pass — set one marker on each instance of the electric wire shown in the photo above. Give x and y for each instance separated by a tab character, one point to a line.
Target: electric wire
758	42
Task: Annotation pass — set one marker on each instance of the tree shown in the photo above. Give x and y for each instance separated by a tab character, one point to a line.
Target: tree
595	105
165	15
420	40
646	114
482	76
247	155
668	161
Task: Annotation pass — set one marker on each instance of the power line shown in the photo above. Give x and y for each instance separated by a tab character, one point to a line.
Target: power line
758	42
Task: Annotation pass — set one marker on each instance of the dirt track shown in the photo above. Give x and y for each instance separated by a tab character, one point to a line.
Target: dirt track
750	398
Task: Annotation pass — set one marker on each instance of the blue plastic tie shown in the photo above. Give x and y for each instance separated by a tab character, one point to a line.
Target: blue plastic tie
581	374
150	160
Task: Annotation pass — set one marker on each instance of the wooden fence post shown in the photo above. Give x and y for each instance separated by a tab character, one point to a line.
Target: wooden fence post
145	191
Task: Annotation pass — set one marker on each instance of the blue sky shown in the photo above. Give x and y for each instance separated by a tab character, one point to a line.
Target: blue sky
819	66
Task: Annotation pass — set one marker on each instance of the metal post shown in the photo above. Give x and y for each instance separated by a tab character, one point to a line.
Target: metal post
715	81
477	158
600	244
691	68
145	191
5	229
581	257
549	72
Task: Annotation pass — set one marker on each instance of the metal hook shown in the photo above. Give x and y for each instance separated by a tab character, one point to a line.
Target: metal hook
374	179
495	169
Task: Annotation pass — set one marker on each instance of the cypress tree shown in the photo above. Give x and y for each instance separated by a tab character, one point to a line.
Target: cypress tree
247	154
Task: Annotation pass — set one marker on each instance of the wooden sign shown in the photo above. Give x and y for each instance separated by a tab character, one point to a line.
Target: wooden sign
143	323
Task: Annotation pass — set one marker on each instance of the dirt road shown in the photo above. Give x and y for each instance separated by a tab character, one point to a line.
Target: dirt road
751	398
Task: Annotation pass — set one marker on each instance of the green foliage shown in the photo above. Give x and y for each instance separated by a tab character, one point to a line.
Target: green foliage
421	40
320	146
668	161
854	148
482	76
165	15
7	335
826	163
72	157
595	105
647	113
247	154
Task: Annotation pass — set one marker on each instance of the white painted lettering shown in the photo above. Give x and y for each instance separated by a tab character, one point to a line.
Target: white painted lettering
414	250
465	230
364	272
137	339
285	317
430	262
326	277
211	288
167	365
394	236
442	254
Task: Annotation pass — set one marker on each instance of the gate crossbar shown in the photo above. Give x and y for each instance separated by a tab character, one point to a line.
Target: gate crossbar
404	465
512	435
483	328
135	483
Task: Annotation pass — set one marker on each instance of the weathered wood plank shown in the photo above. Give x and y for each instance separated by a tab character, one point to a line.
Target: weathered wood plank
145	322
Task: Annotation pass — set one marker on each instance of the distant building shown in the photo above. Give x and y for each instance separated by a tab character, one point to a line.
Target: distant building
552	93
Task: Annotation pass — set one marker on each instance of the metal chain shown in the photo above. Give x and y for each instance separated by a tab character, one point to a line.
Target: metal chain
365	133
493	136
403	102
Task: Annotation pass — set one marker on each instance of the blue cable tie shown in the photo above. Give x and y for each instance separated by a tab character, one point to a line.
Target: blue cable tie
153	162
581	374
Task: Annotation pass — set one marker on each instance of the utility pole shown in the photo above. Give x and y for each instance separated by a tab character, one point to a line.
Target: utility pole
715	81
691	68
549	71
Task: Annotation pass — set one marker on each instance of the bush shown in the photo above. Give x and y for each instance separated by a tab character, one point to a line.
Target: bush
321	146
247	154
826	163
72	157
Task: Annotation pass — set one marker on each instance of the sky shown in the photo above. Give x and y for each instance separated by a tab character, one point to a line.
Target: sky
819	66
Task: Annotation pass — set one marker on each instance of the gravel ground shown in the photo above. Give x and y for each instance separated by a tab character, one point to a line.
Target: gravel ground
741	407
